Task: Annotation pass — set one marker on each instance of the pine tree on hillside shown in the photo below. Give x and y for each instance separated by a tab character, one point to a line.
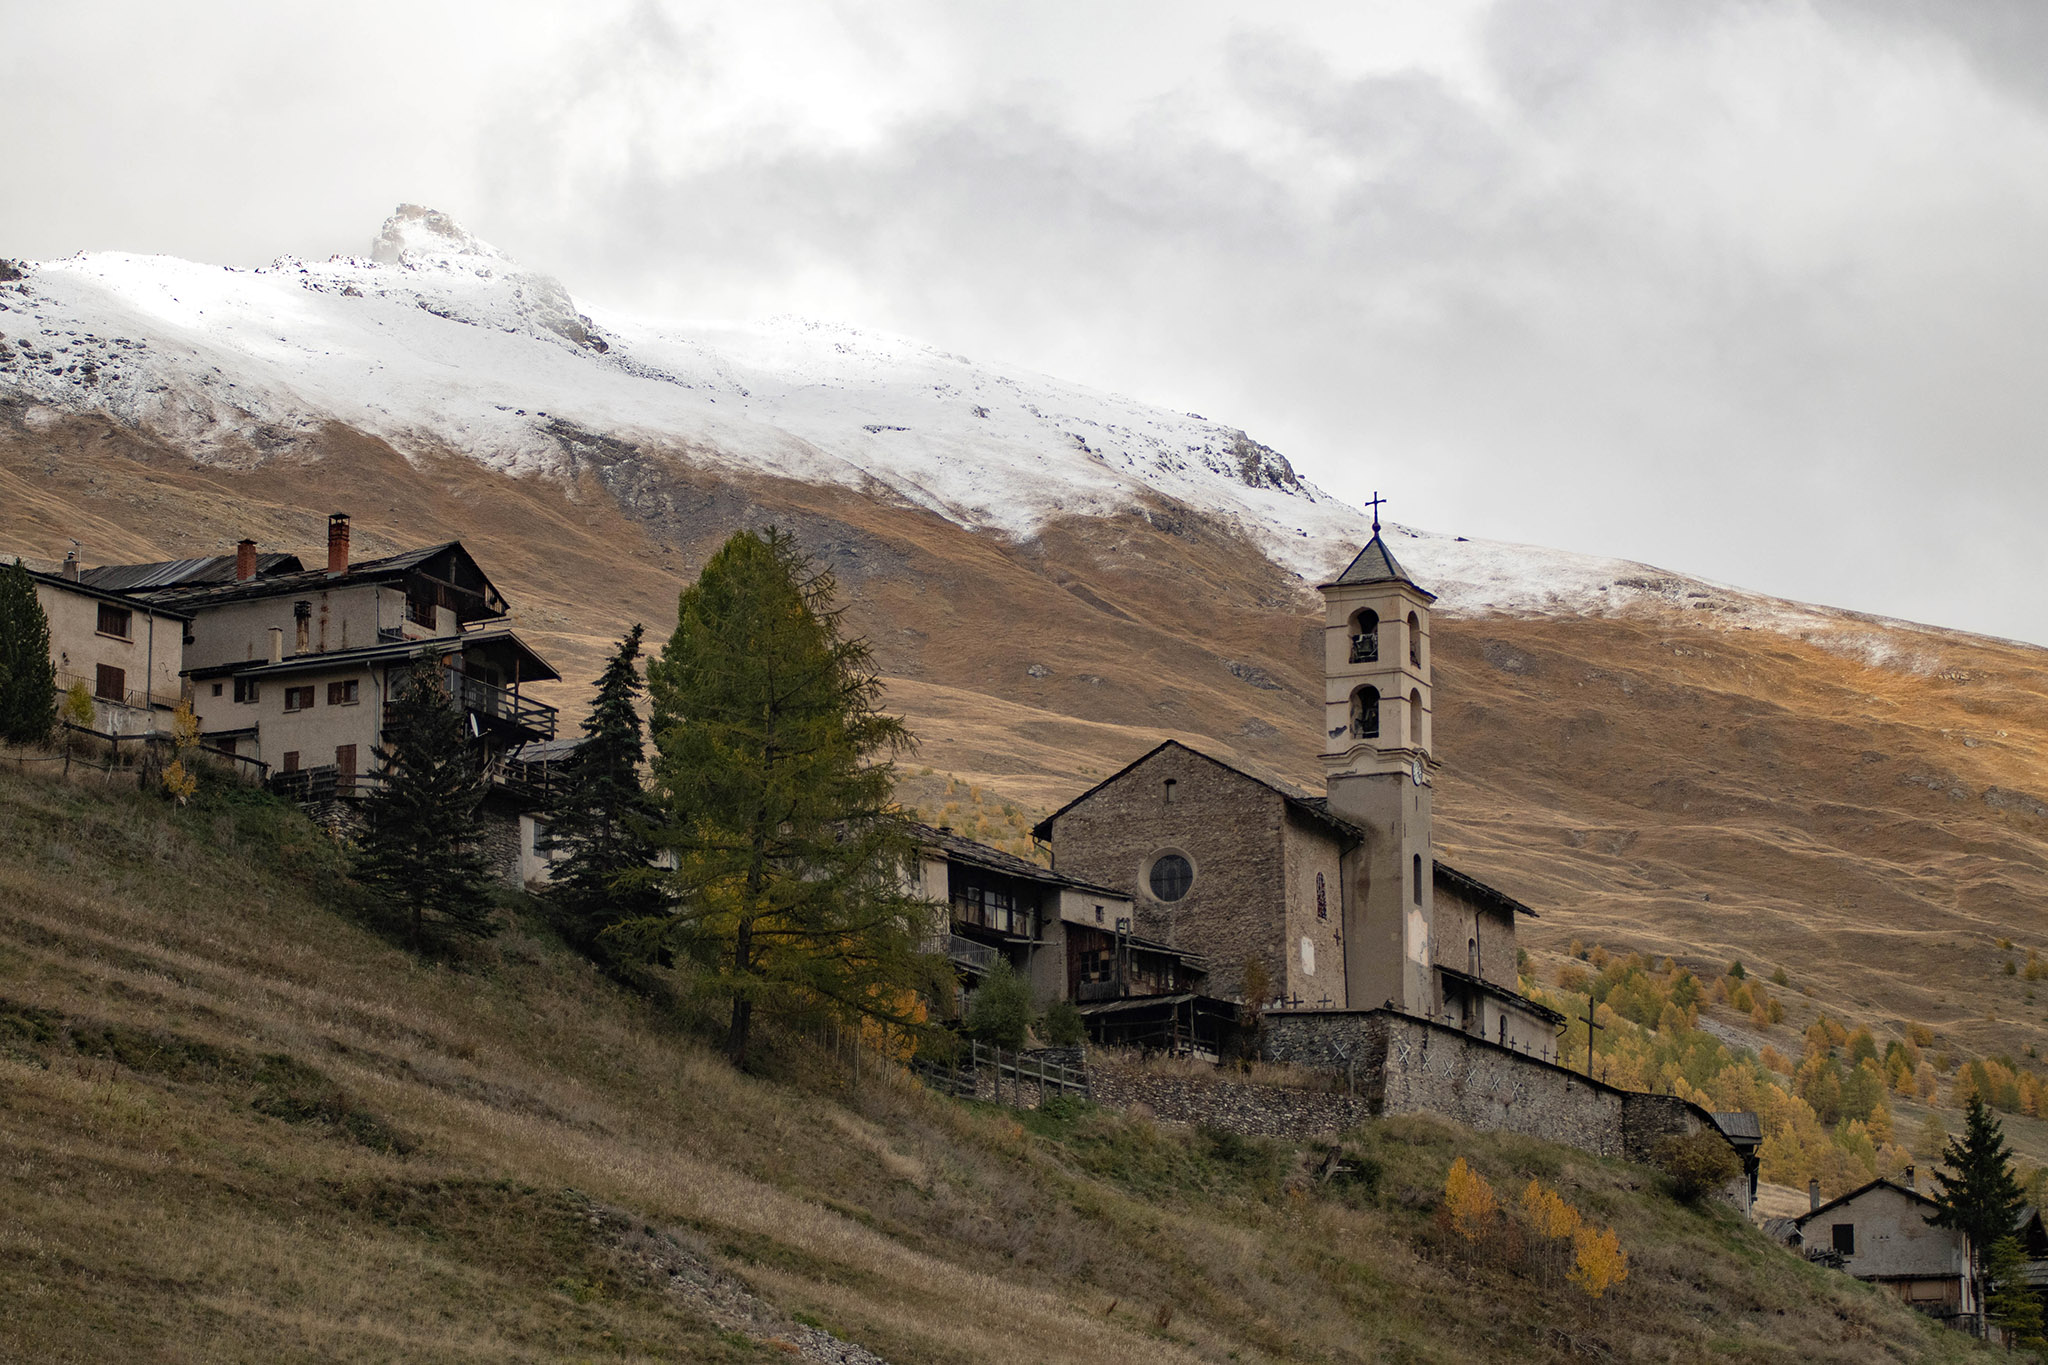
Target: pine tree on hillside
1977	1194
28	680
2011	1303
602	815
419	844
773	770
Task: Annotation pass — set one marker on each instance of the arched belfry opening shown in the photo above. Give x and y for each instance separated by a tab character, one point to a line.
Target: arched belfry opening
1365	637
1365	713
1414	639
1417	735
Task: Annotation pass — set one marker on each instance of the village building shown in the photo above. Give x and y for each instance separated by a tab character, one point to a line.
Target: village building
1335	902
128	656
1069	939
1880	1233
291	669
294	667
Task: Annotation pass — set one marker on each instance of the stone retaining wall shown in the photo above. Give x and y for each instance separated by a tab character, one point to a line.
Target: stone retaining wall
1407	1065
1270	1111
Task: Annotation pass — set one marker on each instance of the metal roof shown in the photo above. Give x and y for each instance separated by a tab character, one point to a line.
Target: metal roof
995	860
198	594
171	573
103	595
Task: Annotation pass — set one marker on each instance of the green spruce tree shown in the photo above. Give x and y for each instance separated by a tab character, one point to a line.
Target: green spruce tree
603	815
2011	1304
773	769
28	679
419	850
1977	1195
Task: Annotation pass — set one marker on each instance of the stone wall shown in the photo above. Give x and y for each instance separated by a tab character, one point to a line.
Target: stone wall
1270	1111
1223	822
1407	1065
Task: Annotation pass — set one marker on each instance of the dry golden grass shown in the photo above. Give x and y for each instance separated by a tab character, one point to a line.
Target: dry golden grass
160	1203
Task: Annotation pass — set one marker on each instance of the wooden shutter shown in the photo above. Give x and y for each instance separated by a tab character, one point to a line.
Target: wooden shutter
111	684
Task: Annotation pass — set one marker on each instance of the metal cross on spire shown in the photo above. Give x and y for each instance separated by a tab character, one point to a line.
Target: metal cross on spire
1375	503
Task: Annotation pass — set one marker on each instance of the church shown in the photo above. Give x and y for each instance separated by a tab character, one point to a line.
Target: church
1318	903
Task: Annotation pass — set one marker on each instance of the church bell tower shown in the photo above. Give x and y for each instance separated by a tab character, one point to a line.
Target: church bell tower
1377	763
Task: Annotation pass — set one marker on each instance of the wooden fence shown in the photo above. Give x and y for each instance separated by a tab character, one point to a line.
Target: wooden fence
964	1082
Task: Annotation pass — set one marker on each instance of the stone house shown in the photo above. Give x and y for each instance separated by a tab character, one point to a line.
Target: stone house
1879	1233
128	655
1333	902
1071	939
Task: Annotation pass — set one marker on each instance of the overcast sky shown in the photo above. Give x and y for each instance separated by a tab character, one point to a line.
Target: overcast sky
1757	291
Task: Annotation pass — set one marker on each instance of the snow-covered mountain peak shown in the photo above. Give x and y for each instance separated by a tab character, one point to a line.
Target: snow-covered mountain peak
419	235
443	343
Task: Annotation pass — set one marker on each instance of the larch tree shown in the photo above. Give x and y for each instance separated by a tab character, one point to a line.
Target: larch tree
792	862
603	815
419	849
1978	1195
28	678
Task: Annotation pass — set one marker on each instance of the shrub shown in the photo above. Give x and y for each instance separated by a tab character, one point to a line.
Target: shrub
1598	1262
1061	1025
1548	1214
1469	1201
1000	1012
1697	1164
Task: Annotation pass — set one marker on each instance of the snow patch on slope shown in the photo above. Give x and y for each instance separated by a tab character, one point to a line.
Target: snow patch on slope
438	340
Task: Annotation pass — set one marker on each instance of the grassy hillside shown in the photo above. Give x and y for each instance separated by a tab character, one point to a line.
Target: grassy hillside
237	1125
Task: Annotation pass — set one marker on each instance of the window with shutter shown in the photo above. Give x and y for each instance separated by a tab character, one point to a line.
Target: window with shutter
110	684
116	621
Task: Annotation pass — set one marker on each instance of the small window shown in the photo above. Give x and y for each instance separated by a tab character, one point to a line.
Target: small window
1169	791
110	684
1098	914
216	689
1172	875
342	693
1322	899
116	621
1414	640
248	690
1845	1238
290	762
1415	879
298	698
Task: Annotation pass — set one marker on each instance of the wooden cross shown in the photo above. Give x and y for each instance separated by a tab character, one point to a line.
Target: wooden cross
1590	1026
1375	503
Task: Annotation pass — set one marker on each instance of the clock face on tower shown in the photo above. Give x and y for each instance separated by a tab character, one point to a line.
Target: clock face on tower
1415	770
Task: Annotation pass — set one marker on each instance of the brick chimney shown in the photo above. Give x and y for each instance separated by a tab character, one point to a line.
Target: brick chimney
245	561
1812	1195
337	544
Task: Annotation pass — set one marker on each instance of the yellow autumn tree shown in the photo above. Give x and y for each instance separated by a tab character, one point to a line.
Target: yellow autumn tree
1549	1216
1598	1262
1469	1200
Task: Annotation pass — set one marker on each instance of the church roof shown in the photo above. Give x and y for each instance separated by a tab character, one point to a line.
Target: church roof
1376	564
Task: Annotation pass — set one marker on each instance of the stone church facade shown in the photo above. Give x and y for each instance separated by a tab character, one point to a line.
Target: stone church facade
1335	902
